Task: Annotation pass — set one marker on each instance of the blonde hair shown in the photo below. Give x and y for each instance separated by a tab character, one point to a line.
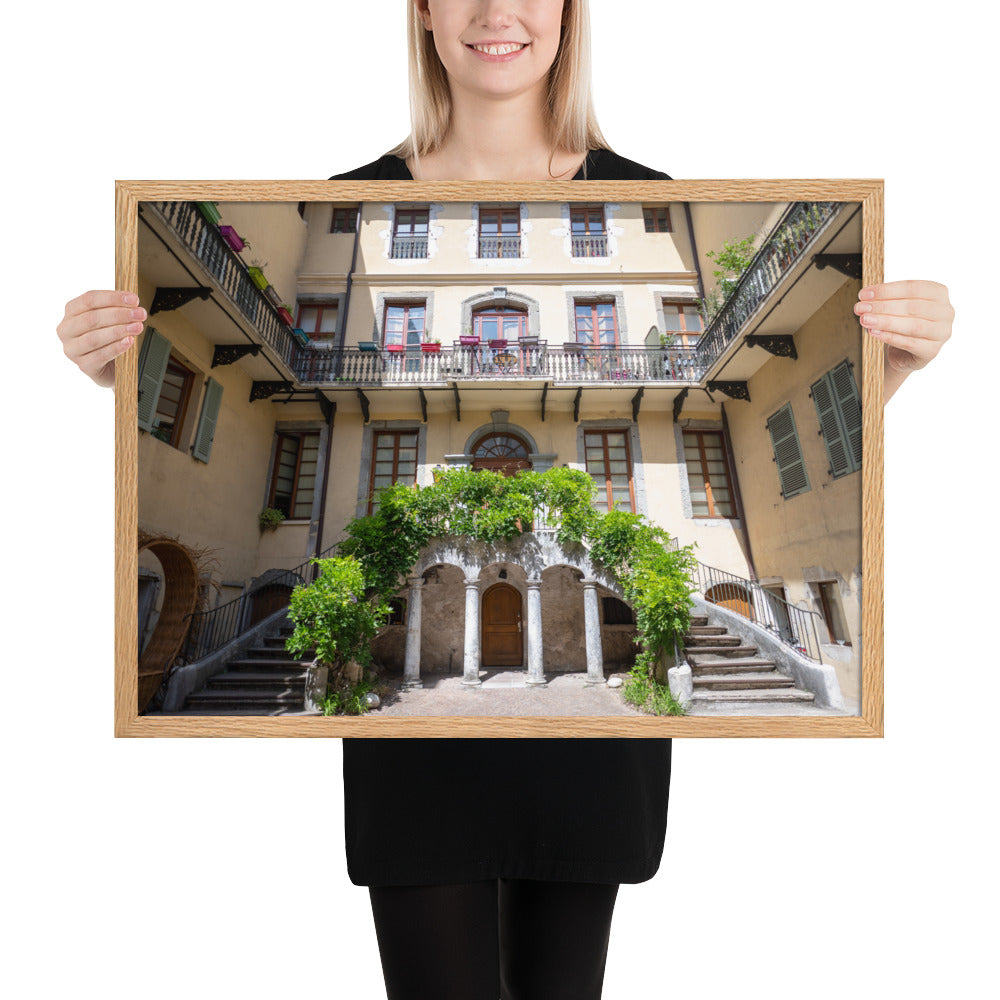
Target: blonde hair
570	101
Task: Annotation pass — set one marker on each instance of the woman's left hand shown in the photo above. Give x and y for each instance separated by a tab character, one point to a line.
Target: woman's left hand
912	318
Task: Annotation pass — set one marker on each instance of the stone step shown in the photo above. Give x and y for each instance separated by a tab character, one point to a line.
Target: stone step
699	620
761	695
725	666
266	664
295	680
712	639
240	698
270	653
695	653
706	630
743	682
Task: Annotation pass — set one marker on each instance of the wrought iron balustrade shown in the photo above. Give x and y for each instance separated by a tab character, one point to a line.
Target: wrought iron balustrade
780	252
408	247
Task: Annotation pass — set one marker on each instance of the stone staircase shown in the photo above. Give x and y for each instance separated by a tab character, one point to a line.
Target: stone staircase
266	681
728	676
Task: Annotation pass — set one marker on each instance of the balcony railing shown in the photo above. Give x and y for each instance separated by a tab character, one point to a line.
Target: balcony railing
780	252
409	247
499	246
515	361
595	245
227	268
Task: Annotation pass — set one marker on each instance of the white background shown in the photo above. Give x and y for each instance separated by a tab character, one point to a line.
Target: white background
215	868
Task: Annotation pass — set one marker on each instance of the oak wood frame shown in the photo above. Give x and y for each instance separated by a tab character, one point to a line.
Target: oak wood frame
128	722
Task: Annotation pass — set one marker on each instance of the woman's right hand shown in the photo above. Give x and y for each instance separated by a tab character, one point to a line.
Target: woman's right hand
97	327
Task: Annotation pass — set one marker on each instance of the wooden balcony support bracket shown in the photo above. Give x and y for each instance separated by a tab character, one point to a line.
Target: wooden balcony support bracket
679	403
636	401
780	345
228	354
576	405
169	299
327	407
458	402
423	405
265	390
734	390
848	264
366	410
545	392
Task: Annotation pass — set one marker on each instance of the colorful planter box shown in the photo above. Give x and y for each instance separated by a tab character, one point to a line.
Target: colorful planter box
285	316
210	210
233	238
431	348
394	348
257	277
498	345
301	336
468	341
272	296
367	346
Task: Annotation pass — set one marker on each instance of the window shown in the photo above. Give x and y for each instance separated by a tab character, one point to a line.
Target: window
838	407
394	460
609	463
293	481
500	232
589	238
500	323
708	474
682	321
409	237
787	453
404	324
344	219
829	602
616	612
166	386
596	323
657	219
318	320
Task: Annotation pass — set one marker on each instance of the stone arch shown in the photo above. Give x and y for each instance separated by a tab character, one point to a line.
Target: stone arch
502	297
500	426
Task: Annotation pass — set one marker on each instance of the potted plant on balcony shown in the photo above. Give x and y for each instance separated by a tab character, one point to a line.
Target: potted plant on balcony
394	348
272	296
269	519
210	211
233	238
285	315
431	347
301	336
256	272
468	339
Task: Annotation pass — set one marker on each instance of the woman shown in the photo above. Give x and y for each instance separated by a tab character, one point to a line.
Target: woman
493	865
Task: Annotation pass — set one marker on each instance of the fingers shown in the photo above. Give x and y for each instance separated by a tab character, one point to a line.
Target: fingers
97	327
905	290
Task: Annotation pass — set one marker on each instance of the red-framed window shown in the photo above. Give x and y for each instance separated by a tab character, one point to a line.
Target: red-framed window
394	460
610	464
405	324
345	218
499	323
684	321
318	319
293	479
588	231
708	474
409	235
657	219
500	231
596	323
171	407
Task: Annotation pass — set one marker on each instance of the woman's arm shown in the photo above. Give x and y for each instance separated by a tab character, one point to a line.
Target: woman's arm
96	328
912	318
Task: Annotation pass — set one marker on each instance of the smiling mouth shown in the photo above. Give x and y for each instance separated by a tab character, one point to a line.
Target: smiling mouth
504	49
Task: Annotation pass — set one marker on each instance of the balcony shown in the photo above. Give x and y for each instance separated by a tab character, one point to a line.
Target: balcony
593	245
408	247
514	362
499	247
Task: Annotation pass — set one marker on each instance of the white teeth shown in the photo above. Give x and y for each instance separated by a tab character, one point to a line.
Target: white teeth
498	50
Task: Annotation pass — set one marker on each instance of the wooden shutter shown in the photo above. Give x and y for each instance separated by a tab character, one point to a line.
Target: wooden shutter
787	453
153	359
206	424
839	410
846	392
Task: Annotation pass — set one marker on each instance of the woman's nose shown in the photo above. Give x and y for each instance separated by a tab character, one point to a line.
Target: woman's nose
496	13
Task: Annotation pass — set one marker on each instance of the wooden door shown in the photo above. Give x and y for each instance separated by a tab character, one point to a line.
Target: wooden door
268	599
501	617
732	596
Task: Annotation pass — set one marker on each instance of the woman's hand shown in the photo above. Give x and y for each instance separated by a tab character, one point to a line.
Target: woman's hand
912	318
97	327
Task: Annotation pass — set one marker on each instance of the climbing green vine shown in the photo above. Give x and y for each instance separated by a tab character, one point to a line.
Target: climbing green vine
341	612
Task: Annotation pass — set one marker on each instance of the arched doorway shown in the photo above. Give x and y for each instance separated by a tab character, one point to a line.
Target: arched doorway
502	637
730	595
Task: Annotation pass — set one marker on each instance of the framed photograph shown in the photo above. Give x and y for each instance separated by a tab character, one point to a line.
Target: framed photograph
482	459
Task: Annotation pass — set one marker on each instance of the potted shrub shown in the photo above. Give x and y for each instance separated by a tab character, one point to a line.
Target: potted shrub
269	518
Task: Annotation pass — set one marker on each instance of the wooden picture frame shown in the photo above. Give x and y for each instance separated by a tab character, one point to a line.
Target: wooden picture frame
867	194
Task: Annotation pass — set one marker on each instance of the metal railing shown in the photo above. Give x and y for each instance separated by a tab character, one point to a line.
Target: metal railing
228	269
795	627
575	363
499	246
594	245
781	250
408	247
211	630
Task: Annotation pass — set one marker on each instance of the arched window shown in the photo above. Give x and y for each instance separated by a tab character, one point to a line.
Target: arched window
505	453
500	323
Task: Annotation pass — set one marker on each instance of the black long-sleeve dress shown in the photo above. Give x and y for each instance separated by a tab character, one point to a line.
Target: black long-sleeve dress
437	811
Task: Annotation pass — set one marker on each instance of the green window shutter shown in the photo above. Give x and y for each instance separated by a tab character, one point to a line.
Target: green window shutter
831	427
206	424
153	359
846	392
787	453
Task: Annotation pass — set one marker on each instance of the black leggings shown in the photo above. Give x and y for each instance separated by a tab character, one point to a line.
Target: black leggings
513	939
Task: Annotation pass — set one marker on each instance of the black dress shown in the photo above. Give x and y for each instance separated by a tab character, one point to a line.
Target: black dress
436	811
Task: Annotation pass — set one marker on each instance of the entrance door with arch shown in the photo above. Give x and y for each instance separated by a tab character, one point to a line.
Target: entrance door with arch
502	638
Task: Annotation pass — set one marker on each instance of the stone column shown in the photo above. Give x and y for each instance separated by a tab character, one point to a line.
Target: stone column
470	673
536	670
414	610
592	627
